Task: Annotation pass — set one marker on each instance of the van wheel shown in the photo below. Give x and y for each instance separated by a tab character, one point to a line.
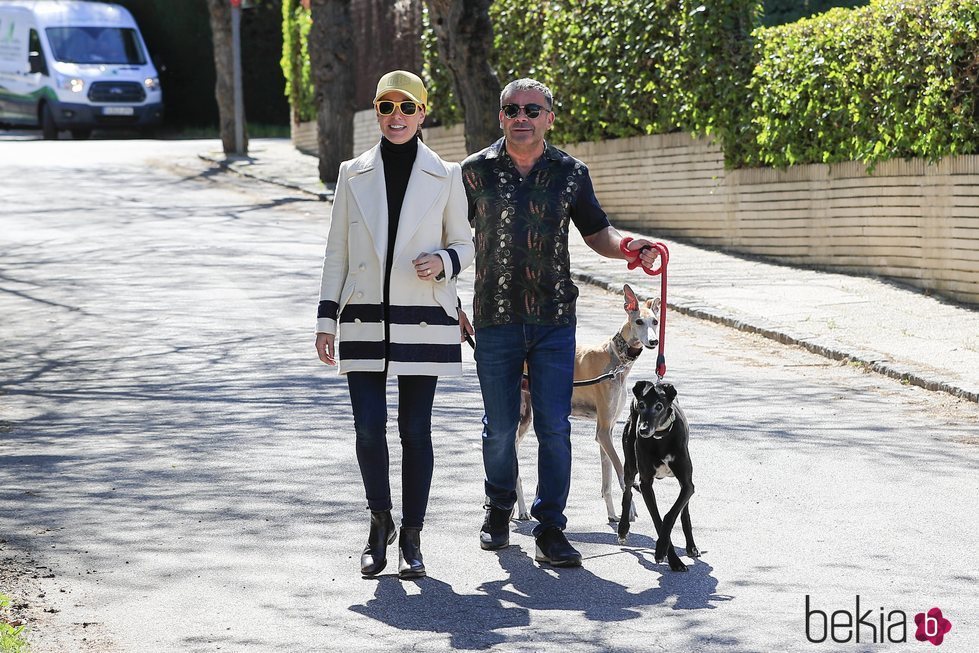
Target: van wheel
81	134
48	129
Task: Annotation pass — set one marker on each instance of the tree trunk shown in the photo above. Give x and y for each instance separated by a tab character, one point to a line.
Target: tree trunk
464	34
331	52
224	90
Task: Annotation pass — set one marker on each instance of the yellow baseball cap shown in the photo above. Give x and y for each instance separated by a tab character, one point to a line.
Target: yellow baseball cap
401	80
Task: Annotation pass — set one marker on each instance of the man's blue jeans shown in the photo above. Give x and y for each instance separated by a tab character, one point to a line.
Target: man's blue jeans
549	353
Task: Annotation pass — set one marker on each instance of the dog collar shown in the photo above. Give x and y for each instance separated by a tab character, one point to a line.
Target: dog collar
669	422
623	350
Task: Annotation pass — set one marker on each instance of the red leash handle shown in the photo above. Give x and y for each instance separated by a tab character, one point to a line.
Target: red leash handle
664	259
636	262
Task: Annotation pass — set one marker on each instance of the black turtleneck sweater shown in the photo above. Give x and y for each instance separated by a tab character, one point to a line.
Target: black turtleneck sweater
398	160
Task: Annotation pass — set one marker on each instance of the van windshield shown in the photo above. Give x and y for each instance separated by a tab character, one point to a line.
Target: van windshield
95	45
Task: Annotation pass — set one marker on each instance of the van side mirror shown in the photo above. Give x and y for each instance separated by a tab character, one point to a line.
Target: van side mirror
37	63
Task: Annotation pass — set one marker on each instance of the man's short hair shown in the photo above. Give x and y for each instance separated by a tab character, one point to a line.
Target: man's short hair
528	84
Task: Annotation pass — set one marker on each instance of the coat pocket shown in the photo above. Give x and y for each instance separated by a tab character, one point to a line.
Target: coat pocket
347	293
446	297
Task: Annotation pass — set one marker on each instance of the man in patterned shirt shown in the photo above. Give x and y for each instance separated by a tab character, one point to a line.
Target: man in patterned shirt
524	194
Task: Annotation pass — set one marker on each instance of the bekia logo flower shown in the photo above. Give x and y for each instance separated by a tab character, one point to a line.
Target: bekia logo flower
931	626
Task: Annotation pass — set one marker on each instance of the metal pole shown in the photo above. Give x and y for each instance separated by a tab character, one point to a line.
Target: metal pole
239	100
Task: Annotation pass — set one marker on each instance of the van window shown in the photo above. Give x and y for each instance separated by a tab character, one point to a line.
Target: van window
95	45
35	54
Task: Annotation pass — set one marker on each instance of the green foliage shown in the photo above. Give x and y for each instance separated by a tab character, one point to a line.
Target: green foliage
713	62
296	23
894	79
443	109
606	63
622	68
11	637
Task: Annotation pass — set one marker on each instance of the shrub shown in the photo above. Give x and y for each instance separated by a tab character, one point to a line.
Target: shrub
894	79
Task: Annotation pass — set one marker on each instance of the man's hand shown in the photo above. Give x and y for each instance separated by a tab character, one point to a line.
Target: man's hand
324	347
465	326
647	257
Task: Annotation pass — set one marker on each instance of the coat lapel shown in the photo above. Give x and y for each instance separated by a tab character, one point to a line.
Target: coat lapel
367	187
428	175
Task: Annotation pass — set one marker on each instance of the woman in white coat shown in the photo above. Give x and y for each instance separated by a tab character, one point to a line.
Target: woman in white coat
399	236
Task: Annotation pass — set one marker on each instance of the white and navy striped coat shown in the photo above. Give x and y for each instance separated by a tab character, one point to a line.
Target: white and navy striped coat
424	329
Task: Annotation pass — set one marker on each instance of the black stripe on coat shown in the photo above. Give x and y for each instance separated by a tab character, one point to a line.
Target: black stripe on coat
362	312
361	350
425	353
401	352
419	314
327	309
456	267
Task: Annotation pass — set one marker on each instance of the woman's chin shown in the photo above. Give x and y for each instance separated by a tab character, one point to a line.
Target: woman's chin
398	136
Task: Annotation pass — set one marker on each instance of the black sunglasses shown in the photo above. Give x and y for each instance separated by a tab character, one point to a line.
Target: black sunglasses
511	111
406	107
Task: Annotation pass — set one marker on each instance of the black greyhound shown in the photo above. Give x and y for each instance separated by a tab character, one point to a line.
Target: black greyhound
654	444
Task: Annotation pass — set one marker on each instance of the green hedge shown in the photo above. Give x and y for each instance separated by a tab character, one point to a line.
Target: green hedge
296	23
622	68
894	79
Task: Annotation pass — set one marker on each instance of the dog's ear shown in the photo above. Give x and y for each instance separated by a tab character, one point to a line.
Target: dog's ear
631	301
640	389
653	304
669	390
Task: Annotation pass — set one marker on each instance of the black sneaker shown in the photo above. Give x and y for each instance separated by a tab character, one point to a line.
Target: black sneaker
553	548
495	533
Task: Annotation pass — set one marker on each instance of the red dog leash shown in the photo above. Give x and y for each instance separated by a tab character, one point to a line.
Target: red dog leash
664	259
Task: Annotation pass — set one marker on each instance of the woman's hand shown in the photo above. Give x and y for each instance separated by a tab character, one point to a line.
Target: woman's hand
428	266
324	347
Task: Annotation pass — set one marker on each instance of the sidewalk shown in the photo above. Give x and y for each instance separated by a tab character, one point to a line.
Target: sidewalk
891	330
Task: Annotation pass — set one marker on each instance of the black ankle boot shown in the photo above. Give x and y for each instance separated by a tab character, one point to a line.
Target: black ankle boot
382	533
410	563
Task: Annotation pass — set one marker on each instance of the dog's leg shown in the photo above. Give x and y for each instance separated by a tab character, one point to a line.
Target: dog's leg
526	419
631	469
611	465
520	509
646	488
663	541
608	474
683	471
692	549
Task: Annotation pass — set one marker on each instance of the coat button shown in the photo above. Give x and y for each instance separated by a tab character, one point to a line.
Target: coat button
360	293
356	320
423	324
362	266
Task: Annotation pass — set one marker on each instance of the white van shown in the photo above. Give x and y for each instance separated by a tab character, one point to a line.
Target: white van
75	65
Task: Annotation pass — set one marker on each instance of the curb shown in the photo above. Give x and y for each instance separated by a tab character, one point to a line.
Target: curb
230	165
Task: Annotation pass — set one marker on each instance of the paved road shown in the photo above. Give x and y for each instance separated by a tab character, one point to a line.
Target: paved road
174	455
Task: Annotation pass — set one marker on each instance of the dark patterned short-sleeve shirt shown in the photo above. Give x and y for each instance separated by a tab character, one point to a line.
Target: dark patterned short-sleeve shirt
523	271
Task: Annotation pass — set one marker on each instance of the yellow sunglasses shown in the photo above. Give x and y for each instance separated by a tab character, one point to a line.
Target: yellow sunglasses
387	107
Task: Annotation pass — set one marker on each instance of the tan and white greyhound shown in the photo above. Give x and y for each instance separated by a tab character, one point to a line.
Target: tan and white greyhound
604	400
